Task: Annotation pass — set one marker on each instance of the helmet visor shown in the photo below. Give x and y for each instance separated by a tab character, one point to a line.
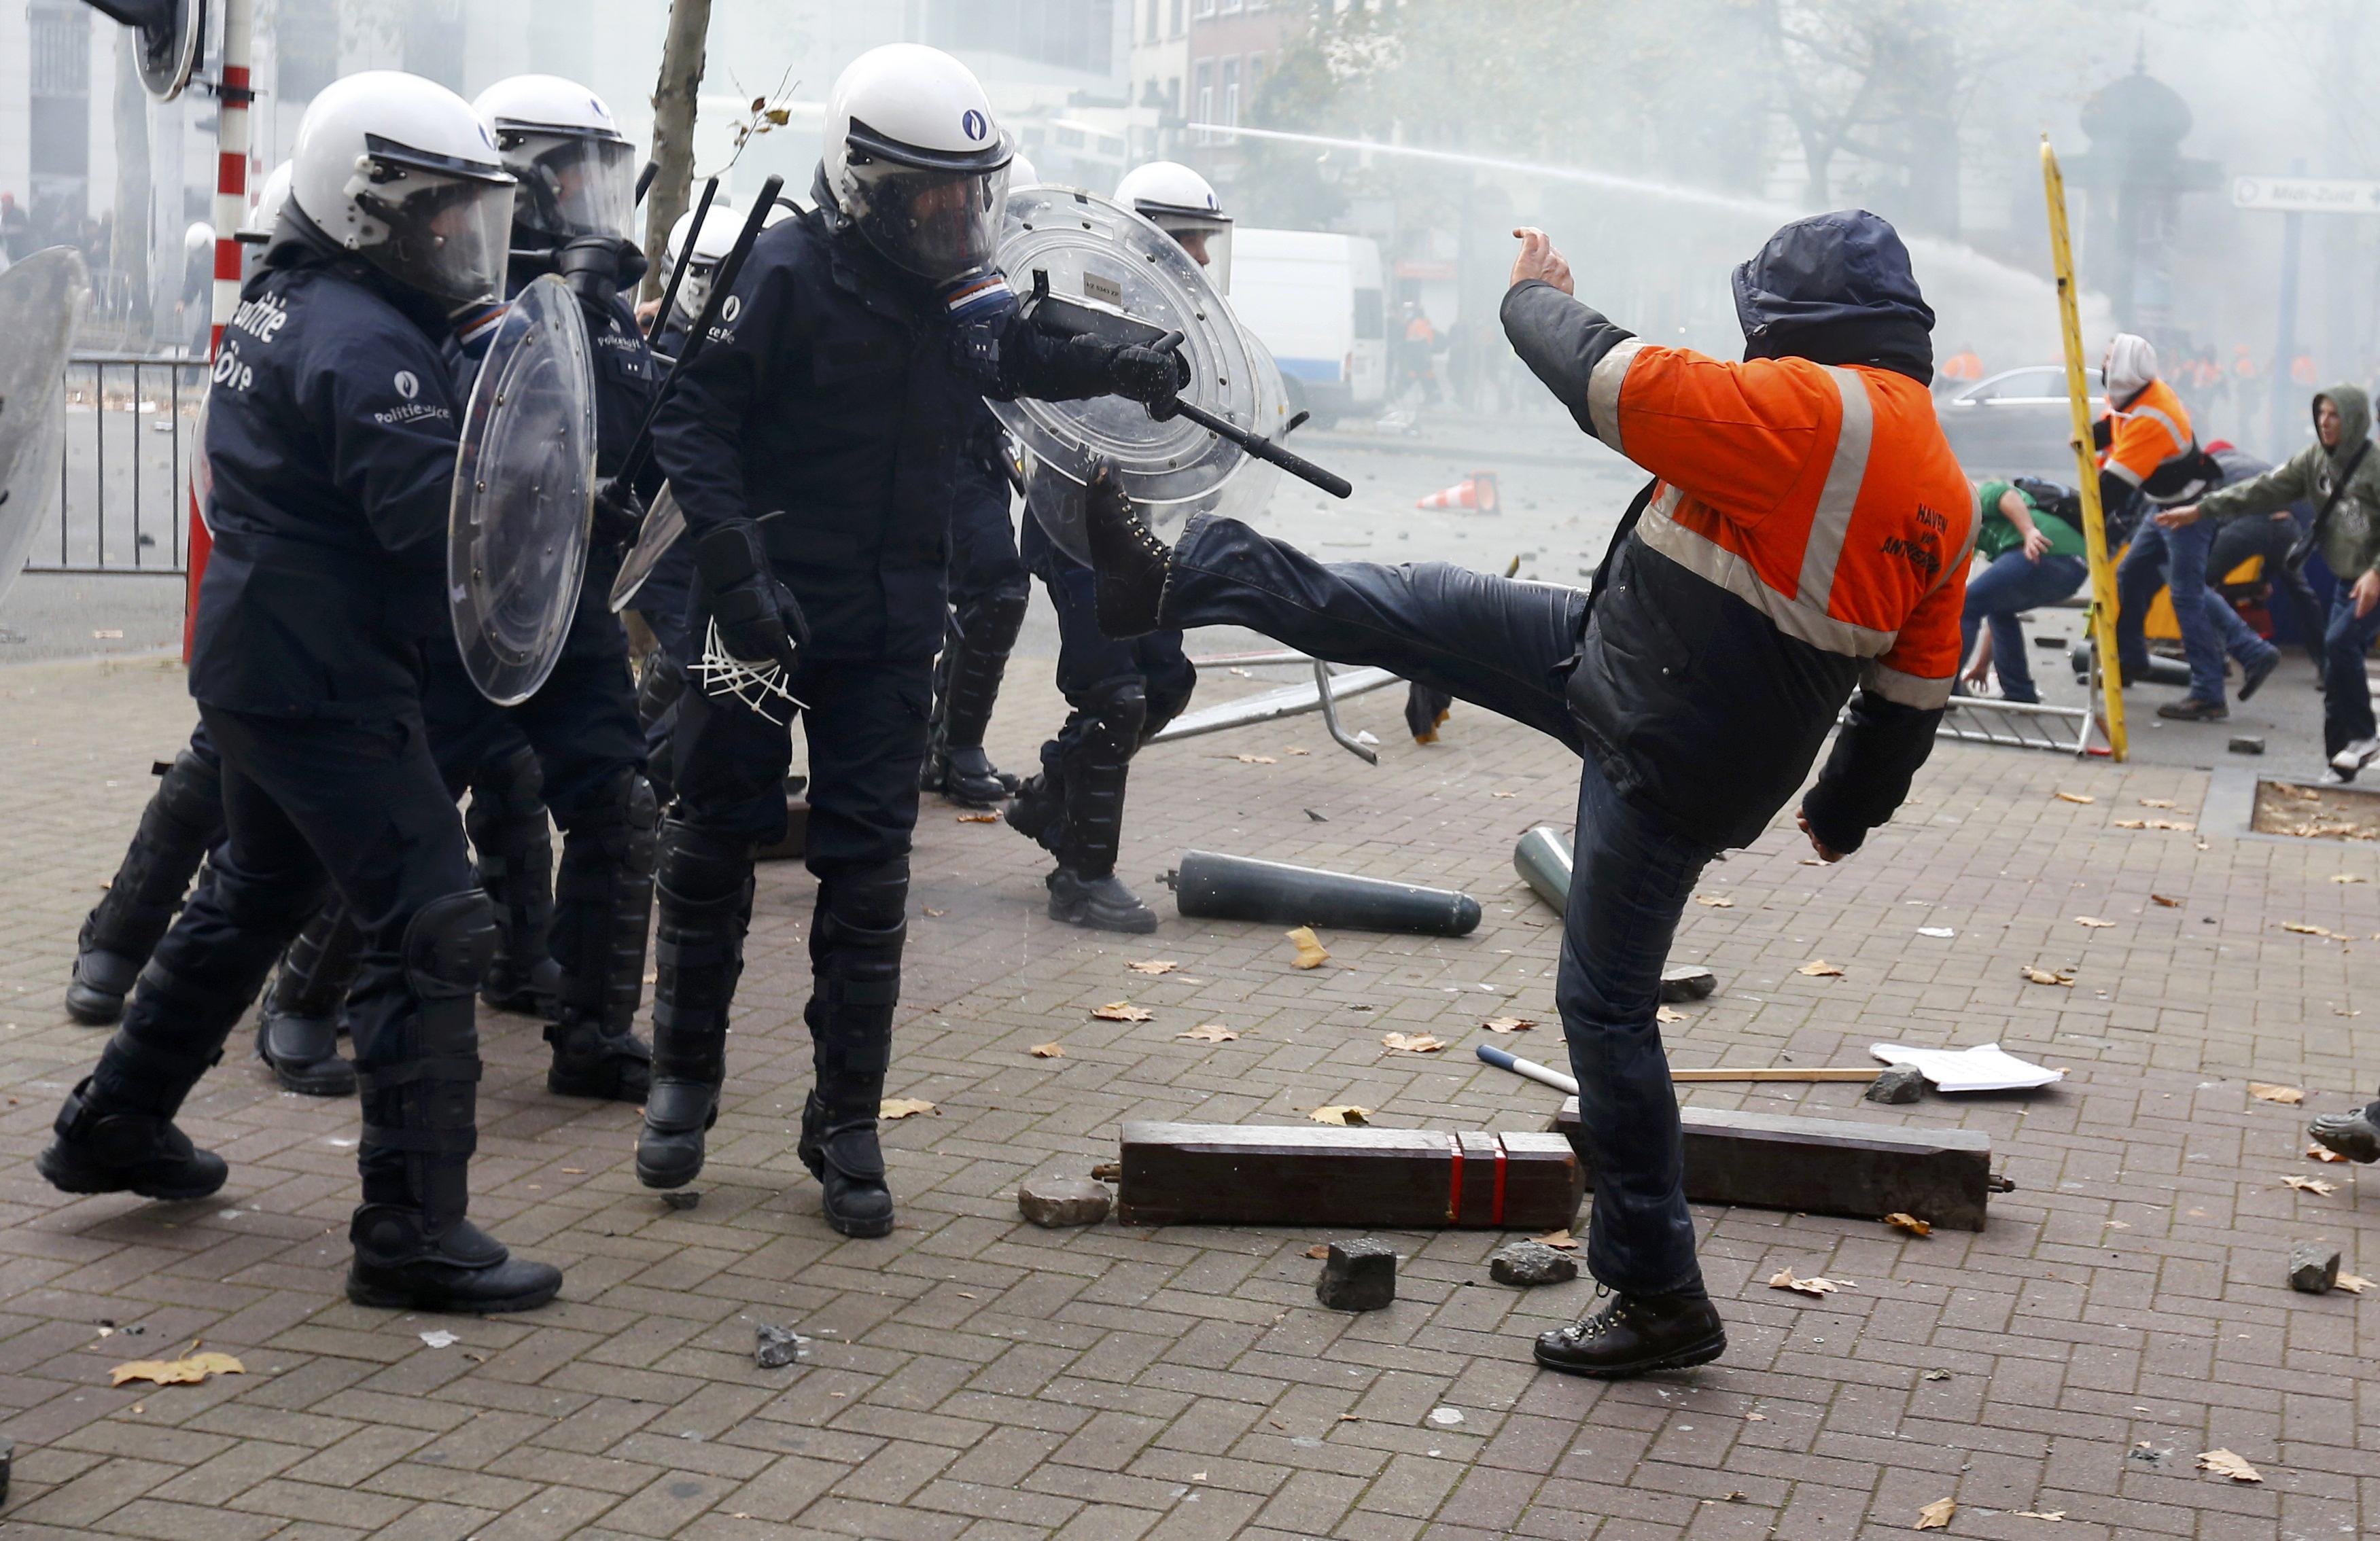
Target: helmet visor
938	225
572	185
1206	237
446	235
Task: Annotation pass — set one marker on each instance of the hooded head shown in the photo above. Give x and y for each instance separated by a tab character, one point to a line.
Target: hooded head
2354	418
2130	367
1837	289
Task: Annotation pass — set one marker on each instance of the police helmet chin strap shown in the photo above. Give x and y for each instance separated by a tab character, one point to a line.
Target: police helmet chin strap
763	687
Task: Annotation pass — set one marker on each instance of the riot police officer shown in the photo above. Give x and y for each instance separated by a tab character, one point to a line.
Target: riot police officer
1120	693
332	437
815	446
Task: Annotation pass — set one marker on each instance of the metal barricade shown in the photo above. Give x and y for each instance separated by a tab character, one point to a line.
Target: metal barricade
122	494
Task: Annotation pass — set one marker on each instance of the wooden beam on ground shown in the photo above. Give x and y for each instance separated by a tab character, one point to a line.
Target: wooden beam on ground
1778	1072
1314	1175
1825	1166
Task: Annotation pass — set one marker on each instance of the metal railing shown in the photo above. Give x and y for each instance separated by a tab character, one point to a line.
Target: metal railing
123	480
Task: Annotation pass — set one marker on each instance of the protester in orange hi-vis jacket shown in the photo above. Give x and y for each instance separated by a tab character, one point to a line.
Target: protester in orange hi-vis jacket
1806	535
1965	366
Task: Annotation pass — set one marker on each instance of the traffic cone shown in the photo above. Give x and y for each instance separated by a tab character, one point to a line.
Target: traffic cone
1475	491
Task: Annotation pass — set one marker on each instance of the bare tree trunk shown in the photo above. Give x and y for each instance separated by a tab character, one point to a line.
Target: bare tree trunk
674	107
128	247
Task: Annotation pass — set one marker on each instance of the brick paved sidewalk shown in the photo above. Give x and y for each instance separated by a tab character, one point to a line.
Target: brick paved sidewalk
973	1377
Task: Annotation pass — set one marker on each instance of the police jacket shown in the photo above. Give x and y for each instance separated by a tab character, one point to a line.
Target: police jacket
834	394
1807	533
331	434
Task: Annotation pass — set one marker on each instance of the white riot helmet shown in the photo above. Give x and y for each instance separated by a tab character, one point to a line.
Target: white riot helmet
255	232
711	246
402	173
914	161
199	236
1022	173
1182	204
578	172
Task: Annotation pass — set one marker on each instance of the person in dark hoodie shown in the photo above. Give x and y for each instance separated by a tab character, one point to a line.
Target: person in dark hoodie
1806	537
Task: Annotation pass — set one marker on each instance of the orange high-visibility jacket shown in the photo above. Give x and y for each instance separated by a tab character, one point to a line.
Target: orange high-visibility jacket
2152	430
1807	534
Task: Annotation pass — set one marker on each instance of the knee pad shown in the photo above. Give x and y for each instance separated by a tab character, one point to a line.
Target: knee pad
1118	709
189	791
991	620
512	783
448	945
698	869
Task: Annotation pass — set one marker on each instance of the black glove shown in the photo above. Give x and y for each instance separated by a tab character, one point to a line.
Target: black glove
619	514
1152	376
757	617
2103	431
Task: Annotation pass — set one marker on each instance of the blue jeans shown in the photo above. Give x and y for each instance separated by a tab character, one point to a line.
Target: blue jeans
1997	594
2346	695
1508	646
2209	625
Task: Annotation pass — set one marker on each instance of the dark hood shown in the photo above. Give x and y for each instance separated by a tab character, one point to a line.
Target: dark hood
1837	288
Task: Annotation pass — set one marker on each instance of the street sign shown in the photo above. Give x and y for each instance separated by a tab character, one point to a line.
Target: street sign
2306	195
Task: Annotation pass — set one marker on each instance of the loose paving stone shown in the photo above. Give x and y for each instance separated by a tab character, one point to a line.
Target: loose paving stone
1687	982
1898	1083
1532	1262
775	1347
1358	1276
2314	1267
1056	1203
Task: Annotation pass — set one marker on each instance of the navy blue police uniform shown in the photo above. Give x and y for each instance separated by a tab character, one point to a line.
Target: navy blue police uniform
989	591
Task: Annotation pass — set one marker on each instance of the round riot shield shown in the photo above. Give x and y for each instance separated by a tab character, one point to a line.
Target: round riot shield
524	495
41	303
1089	252
665	522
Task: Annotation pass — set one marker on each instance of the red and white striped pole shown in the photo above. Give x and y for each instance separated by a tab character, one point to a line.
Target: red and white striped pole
232	98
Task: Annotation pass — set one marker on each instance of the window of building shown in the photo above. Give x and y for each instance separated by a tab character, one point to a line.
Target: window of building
1152	33
1203	102
1203	7
1230	92
1255	77
1174	30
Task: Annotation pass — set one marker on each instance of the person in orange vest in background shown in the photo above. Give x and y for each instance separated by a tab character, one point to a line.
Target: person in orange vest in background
1805	536
2148	456
1964	367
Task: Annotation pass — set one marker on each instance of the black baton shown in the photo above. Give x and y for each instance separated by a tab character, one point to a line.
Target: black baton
677	271
1255	443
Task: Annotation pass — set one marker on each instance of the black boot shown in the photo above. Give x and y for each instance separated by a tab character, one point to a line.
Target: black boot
297	1026
1127	559
705	885
1039	811
183	821
418	1052
513	848
603	906
99	1152
1098	744
1636	1334
855	941
966	683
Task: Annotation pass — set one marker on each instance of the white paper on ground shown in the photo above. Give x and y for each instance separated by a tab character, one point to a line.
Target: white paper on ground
1984	1067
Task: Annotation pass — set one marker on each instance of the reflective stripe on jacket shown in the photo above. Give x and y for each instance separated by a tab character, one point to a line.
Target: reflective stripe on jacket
2152	432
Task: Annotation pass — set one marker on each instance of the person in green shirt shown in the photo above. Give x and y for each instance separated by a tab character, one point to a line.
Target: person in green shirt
2032	556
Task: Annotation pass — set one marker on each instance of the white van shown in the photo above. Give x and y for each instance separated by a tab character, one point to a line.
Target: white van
1314	300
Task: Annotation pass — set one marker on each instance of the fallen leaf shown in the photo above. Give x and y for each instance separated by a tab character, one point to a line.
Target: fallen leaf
1293	750
1208	1032
935	913
2228	1466
1937	1515
2264	1092
1351	1417
1311	953
2075	798
979	819
2094	922
1411	1043
2310	1184
1108	1171
1784	1280
2156	802
1319	1249
2345	878
1508	1023
2131	823
1153	966
1503	795
2322	1153
1938	1375
1818	969
1347	1113
2173	824
1715	900
1255	759
1048	1052
2303	929
2044	976
2353	1283
188	1371
1756	1417
903	1107
1121	1011
1910	1223
2039	1514
573	1172
1560	1239
2161	900
1667	1014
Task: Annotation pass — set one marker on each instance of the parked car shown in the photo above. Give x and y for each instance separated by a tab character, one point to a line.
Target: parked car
2016	423
1314	300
